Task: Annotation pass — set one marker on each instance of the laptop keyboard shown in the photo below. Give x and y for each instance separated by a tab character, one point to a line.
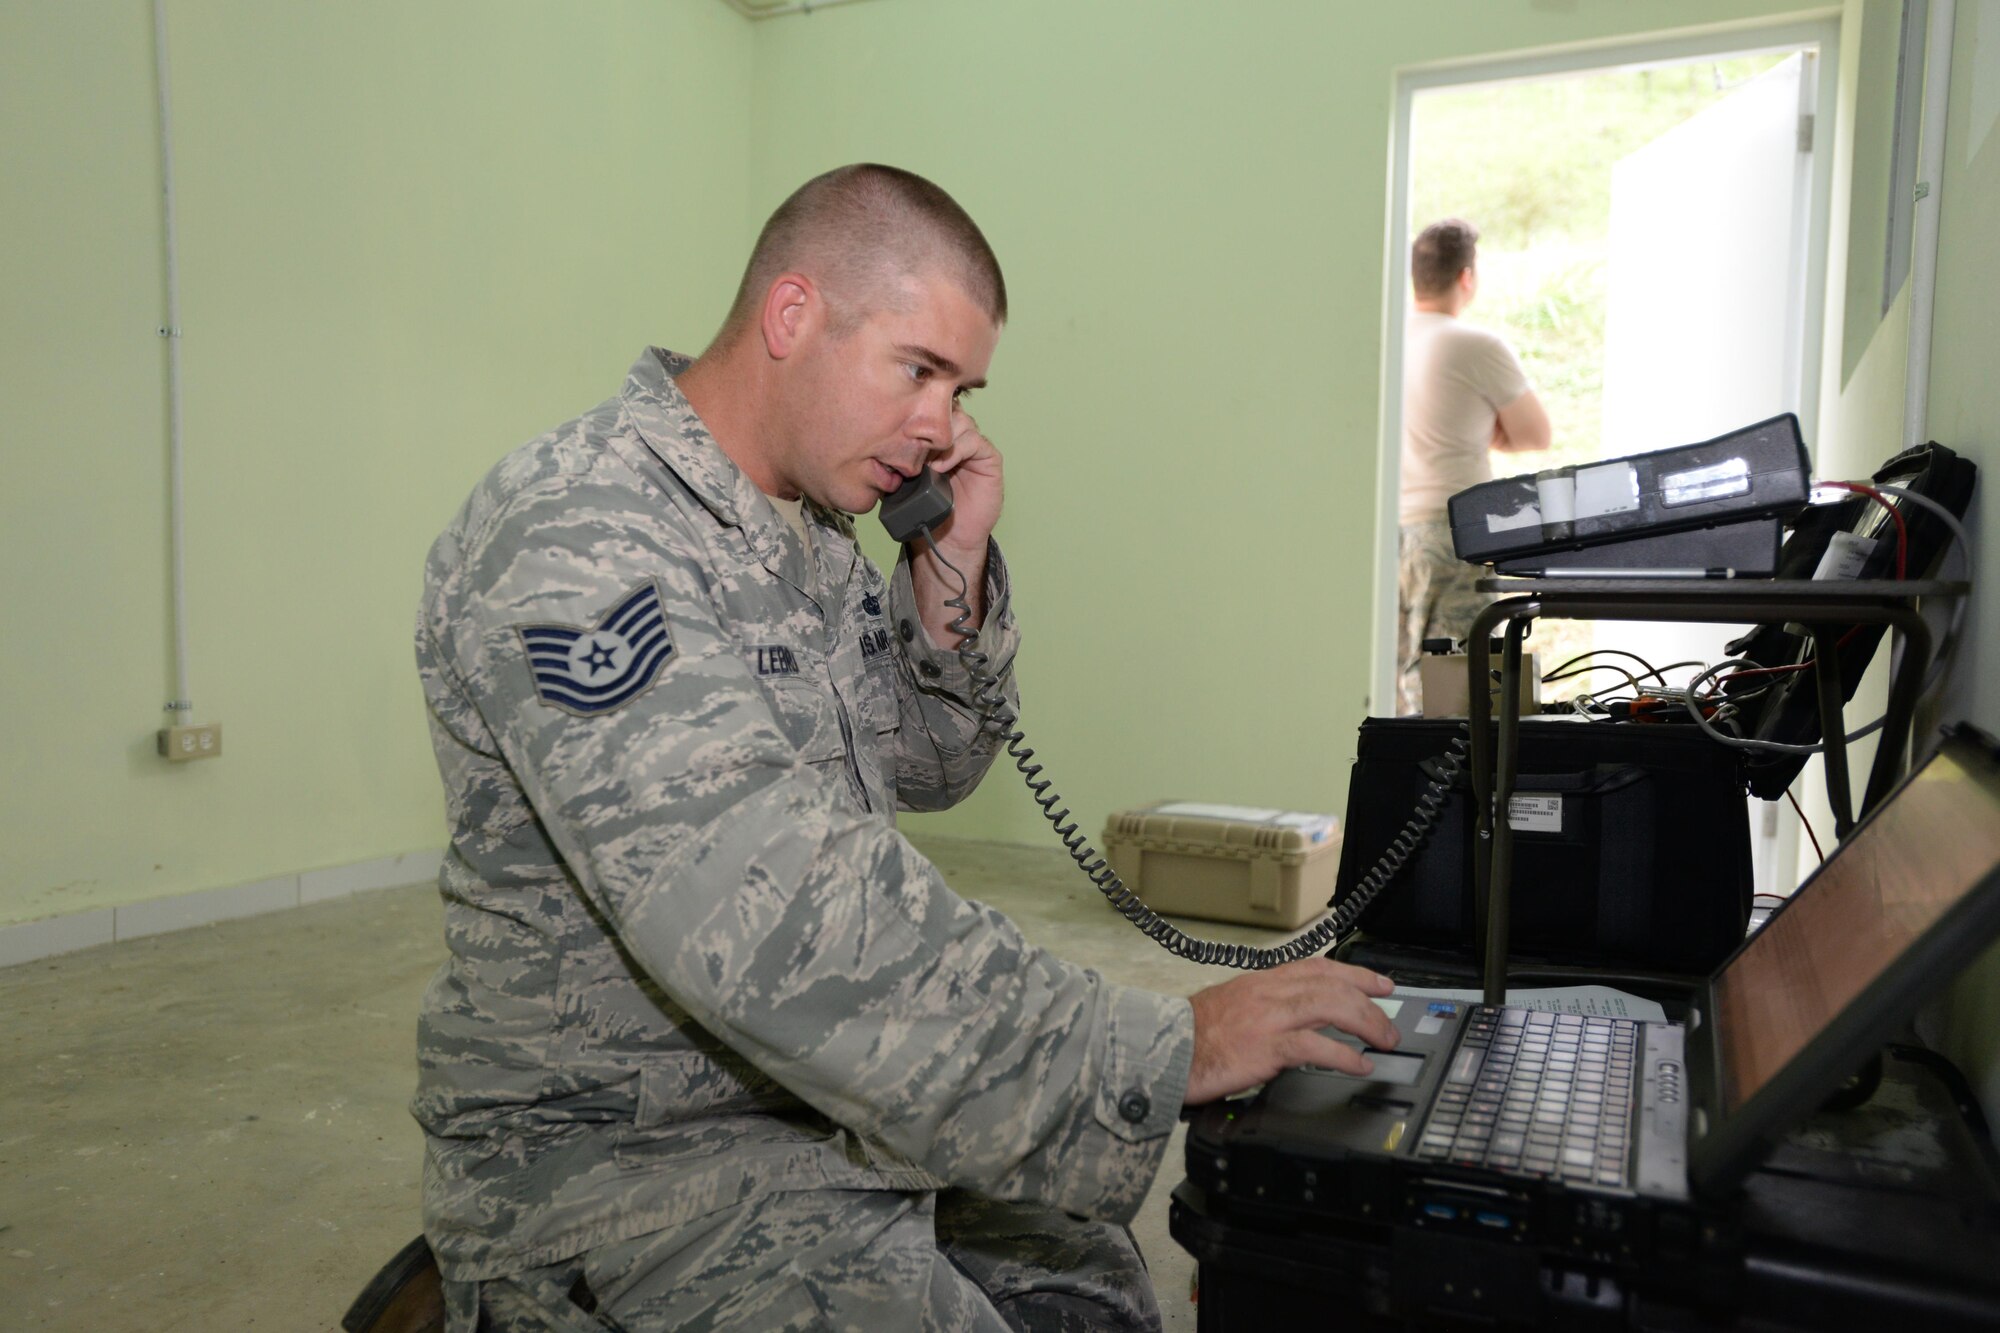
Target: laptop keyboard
1538	1094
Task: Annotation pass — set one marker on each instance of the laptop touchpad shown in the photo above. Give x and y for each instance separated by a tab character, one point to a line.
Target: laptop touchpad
1390	1067
1314	1089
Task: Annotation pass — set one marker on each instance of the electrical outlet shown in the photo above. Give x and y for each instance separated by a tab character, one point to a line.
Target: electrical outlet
202	742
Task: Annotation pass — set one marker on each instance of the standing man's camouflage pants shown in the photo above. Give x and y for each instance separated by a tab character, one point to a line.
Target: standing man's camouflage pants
1434	600
871	1261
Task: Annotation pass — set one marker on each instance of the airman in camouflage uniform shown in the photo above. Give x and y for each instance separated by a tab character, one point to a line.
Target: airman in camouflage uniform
715	1047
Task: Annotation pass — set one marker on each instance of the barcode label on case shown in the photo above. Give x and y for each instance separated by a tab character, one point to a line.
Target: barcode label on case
1533	812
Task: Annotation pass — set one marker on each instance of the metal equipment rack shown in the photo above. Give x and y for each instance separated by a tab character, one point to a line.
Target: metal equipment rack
1822	605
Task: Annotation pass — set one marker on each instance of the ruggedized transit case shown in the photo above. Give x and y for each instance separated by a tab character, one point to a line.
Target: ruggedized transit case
1631	844
1726	485
1226	863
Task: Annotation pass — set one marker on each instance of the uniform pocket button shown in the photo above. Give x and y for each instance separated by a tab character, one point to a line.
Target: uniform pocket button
1134	1106
907	630
930	669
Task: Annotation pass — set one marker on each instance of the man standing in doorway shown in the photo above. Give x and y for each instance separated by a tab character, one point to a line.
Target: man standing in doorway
1463	395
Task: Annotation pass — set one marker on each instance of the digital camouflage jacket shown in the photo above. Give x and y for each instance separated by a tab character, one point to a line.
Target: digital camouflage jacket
692	960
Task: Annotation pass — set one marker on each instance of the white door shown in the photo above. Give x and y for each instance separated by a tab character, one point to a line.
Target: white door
1705	326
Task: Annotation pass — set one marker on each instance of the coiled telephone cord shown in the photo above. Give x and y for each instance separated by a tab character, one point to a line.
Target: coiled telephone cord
995	716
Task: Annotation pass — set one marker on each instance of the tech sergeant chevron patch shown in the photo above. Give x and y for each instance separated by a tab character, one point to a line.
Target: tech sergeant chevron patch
585	672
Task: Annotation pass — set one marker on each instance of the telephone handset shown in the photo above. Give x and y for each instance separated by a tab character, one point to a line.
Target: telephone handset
909	513
920	503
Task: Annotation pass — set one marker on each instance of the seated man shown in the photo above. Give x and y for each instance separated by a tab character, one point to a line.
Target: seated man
715	1046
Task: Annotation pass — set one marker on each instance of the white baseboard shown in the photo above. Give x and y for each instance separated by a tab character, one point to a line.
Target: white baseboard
28	940
382	873
53	935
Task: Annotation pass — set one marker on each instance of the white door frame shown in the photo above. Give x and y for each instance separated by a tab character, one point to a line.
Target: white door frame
1666	49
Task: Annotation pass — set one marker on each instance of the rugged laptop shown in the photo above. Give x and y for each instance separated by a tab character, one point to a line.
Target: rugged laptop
1618	1141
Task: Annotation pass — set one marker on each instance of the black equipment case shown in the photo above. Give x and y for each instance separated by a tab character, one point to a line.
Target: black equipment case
1631	844
1789	711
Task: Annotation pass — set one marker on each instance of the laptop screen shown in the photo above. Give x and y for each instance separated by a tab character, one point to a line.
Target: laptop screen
1926	847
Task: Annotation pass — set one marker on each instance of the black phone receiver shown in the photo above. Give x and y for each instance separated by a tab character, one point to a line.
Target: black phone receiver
921	502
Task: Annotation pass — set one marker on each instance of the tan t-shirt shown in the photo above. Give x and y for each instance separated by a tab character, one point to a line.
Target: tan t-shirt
793	511
1456	378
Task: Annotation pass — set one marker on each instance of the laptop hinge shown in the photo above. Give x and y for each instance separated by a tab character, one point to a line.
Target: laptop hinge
1661	1166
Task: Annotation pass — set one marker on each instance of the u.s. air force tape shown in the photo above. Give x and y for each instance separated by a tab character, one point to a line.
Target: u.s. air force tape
586	671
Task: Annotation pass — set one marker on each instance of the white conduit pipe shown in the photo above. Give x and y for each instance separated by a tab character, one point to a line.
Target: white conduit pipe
181	706
1924	228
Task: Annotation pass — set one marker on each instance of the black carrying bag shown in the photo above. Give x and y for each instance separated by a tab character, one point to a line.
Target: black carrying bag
1789	710
1631	844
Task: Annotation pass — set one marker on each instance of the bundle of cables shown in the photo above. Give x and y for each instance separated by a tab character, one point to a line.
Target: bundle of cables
1714	698
1737	681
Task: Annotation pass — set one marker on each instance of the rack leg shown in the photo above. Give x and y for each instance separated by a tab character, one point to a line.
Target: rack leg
1499	918
1478	715
1833	728
1902	712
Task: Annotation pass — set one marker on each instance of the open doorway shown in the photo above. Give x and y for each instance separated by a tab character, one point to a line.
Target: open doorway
1652	222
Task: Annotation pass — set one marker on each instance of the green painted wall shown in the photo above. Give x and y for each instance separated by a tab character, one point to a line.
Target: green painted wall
414	235
1965	414
1869	68
1190	202
1864	388
411	237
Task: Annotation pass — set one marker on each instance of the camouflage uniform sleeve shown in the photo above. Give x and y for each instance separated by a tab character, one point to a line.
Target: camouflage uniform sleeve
807	935
942	753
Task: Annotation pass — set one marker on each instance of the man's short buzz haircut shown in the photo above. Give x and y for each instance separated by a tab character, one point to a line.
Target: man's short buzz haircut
1442	251
860	232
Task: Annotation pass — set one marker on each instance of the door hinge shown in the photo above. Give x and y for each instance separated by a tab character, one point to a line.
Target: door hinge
1805	134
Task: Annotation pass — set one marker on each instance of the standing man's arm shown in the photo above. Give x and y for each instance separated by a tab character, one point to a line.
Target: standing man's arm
1522	426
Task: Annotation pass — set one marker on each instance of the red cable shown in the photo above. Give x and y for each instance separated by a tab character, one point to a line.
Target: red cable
1807	824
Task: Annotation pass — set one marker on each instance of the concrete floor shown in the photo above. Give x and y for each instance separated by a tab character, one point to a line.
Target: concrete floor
206	1130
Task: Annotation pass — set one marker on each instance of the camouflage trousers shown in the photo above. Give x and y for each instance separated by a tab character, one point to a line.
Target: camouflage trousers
1434	600
870	1261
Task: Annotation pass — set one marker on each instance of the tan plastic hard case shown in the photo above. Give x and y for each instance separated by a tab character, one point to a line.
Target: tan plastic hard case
1225	863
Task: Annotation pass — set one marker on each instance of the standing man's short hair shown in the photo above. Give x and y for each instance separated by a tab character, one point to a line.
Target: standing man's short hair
1442	251
860	232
